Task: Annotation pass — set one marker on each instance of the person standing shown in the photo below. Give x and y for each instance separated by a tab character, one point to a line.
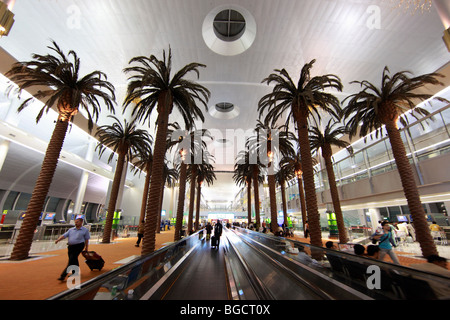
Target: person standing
386	242
140	234
218	231
78	239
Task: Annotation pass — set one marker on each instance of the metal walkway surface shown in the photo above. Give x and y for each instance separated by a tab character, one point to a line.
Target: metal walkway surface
203	277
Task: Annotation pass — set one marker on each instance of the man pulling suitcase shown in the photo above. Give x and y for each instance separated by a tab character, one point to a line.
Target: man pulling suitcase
78	239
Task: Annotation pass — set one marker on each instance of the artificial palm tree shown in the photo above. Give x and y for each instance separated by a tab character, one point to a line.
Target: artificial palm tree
188	147
324	141
269	142
194	170
144	164
205	174
243	176
126	141
170	177
374	107
152	85
282	176
69	93
294	162
298	103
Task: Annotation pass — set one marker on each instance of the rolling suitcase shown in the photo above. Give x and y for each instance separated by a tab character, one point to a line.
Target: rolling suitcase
93	260
214	241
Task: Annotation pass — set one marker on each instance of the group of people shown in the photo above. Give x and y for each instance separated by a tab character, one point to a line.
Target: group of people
383	242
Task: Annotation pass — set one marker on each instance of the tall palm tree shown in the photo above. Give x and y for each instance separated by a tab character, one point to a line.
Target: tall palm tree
294	162
299	102
152	84
194	169
282	176
170	177
268	142
205	174
324	141
144	164
188	147
374	107
243	176
127	141
69	93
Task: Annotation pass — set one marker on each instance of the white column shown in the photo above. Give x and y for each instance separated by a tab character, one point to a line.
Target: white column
4	147
84	179
122	186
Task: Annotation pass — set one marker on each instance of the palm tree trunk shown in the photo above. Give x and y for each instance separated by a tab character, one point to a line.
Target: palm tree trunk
411	192
256	191
36	204
145	193
273	203
283	202
191	200
343	238
308	178
158	223
249	201
302	200
113	199
157	180
180	206
197	210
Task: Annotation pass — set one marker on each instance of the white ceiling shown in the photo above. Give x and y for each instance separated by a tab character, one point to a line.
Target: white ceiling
353	39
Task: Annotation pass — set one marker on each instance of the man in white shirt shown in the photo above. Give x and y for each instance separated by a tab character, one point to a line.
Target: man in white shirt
78	239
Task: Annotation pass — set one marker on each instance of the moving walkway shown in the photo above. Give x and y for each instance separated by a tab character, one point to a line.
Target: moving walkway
249	265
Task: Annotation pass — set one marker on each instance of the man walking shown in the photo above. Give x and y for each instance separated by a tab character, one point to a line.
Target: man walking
78	239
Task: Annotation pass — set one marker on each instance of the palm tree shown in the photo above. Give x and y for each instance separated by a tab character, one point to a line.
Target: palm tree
243	176
294	162
152	84
324	141
188	148
299	102
144	164
193	171
283	175
268	142
374	107
205	173
69	93
127	141
170	177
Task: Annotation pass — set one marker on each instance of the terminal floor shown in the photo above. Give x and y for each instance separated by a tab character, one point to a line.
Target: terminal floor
36	279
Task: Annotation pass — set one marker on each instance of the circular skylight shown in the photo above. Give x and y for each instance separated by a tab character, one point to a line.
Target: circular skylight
229	30
224	110
224	107
229	25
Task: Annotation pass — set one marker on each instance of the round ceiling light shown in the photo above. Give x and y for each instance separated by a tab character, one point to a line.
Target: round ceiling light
229	30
